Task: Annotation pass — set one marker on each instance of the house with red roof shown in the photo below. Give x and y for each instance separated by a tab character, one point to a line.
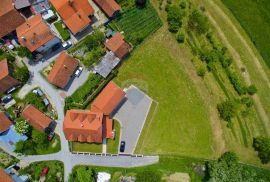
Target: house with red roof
118	45
36	35
10	18
75	13
37	119
62	70
6	80
95	125
109	7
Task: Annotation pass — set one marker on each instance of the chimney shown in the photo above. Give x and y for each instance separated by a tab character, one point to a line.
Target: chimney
65	66
79	15
81	124
23	38
28	25
70	2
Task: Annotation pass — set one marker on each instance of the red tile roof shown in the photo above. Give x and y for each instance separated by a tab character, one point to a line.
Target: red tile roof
118	45
83	126
62	70
36	118
6	81
4	177
109	98
109	7
34	33
75	13
5	123
10	18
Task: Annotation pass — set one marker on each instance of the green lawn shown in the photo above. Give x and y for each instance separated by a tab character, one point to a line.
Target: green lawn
254	16
86	147
177	125
55	173
113	145
62	31
137	23
54	146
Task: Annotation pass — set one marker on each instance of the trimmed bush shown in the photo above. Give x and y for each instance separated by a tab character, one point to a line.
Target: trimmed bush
227	110
252	90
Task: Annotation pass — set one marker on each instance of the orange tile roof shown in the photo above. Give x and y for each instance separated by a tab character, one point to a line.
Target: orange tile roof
5	123
110	7
109	98
6	81
10	18
36	118
62	70
83	126
75	13
118	45
4	177
108	127
34	33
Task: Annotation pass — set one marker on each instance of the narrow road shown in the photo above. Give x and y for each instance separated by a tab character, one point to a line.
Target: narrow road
70	160
239	62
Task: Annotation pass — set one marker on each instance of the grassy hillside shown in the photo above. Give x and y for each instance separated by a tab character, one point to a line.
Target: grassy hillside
254	16
179	114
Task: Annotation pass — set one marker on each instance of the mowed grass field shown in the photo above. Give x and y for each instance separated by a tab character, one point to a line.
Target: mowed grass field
254	16
137	23
178	122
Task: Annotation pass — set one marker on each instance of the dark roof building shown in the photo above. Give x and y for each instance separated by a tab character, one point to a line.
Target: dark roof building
62	70
10	18
6	80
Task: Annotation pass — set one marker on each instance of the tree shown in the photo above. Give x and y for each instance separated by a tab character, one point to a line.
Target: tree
227	110
22	74
24	52
141	3
21	126
174	18
252	89
262	146
198	22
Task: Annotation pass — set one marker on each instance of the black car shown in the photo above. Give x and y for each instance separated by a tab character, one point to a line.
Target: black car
122	146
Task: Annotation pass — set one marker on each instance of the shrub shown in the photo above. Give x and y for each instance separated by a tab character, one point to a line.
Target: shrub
183	4
201	71
148	176
251	90
180	37
21	74
262	146
237	83
94	40
93	56
247	101
227	110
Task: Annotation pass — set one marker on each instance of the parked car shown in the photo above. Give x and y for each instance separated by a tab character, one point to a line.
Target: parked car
122	146
50	136
6	99
67	44
78	71
45	171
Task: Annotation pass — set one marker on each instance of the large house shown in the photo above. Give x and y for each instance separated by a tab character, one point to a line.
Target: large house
75	13
118	45
62	70
38	119
36	35
8	135
6	80
97	124
109	7
10	18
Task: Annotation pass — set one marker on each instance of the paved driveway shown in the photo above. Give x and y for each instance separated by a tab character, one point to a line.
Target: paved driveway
132	115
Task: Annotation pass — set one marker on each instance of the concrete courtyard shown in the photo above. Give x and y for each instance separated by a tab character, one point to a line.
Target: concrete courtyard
132	115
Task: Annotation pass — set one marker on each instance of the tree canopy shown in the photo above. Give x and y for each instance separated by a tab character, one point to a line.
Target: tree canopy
262	146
